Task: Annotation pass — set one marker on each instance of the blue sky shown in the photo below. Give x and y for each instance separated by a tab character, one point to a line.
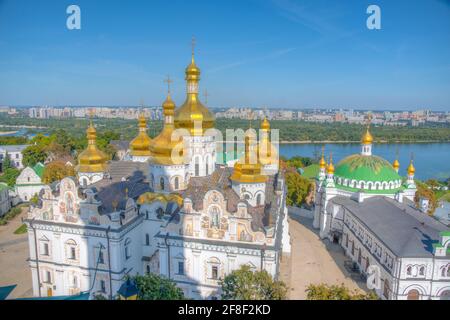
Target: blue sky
258	53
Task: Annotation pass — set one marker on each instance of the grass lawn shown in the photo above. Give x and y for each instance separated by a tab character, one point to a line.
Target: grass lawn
21	230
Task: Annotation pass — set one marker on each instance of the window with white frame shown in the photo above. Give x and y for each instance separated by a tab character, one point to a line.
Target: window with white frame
127	249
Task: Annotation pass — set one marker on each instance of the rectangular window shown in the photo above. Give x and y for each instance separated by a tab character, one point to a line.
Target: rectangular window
101	258
48	277
72	253
45	249
103	286
127	253
181	268
147	240
214	272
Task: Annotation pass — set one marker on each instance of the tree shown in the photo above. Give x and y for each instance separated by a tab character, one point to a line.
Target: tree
57	170
33	154
6	162
155	287
336	292
9	176
423	191
298	188
244	284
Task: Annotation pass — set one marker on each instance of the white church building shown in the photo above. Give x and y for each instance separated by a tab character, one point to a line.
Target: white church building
367	207
172	210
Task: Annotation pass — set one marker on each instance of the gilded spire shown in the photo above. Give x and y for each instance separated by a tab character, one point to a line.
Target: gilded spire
396	163
140	146
163	145
411	170
330	169
91	159
367	137
193	115
322	162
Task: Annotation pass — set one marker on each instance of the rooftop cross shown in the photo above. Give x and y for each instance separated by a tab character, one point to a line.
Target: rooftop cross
168	81
206	95
193	46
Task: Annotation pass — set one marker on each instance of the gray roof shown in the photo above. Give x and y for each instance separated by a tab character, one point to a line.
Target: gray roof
14	148
122	176
406	231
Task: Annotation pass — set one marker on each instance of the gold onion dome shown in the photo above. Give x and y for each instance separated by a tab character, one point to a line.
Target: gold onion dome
265	125
246	171
266	151
396	164
330	168
367	137
140	146
91	159
163	145
322	162
411	170
193	115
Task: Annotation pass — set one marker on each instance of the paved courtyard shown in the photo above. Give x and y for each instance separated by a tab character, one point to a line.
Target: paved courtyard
13	259
313	261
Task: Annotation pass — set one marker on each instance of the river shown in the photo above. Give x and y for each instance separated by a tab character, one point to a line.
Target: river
431	160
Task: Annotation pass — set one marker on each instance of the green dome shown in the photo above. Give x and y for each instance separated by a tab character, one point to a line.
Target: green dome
366	168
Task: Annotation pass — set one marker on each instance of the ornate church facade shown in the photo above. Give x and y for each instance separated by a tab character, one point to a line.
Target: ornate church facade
369	209
171	210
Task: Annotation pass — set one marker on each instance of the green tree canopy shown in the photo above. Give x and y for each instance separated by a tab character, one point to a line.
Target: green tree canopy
57	170
298	188
244	284
33	154
9	176
336	292
155	287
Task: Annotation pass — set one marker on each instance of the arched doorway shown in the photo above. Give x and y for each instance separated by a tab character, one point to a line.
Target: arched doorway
413	295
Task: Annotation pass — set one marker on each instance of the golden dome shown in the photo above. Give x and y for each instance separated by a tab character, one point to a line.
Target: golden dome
193	115
248	172
163	145
91	159
140	146
267	152
396	164
265	125
411	170
367	137
330	168
322	163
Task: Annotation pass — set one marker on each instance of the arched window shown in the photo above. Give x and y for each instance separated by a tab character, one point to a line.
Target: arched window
409	270
413	294
148	269
197	168
258	200
422	271
176	183
69	203
215	217
161	183
152	180
207	166
71	249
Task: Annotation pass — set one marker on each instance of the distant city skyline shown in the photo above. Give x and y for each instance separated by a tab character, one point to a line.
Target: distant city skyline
252	53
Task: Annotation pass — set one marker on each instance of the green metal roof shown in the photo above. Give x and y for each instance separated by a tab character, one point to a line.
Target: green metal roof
366	168
39	169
